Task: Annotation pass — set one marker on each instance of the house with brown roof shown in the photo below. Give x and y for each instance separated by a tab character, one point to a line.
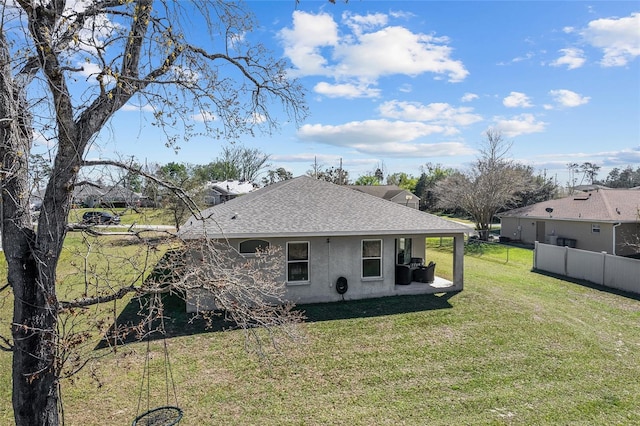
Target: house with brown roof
601	220
337	243
391	193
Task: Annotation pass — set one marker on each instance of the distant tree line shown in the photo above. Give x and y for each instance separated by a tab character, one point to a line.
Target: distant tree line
492	184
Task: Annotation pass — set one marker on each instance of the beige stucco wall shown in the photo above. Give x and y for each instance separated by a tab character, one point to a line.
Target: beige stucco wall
525	230
331	258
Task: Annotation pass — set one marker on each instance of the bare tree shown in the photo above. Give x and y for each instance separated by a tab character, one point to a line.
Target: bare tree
490	185
135	48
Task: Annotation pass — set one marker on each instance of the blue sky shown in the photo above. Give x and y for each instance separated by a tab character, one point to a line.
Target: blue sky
404	83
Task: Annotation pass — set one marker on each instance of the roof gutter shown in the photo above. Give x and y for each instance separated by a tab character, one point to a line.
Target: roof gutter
615	225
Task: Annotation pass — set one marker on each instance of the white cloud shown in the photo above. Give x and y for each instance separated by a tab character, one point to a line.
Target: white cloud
361	23
396	50
438	113
468	97
517	100
204	116
567	98
618	158
347	90
91	70
309	157
619	38
364	51
303	42
257	118
391	138
571	57
186	75
519	125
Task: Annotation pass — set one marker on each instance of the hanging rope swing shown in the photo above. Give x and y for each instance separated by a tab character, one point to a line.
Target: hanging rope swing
168	414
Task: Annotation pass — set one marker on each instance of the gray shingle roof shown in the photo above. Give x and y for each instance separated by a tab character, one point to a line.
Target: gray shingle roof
611	205
382	191
308	207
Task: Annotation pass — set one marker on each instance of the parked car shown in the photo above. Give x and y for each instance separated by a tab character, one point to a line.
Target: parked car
100	218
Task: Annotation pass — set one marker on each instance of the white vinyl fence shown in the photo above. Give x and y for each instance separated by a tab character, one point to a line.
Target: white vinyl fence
599	268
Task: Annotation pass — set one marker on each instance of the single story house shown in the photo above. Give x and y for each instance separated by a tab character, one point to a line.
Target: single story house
601	220
217	192
98	195
337	243
391	193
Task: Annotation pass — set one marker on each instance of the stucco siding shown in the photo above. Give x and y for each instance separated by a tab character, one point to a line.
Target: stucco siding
524	230
518	229
329	259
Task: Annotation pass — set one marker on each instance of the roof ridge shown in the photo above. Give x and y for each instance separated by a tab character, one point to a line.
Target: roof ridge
605	201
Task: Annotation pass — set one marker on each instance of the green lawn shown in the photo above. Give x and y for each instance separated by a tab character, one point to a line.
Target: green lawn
146	216
514	347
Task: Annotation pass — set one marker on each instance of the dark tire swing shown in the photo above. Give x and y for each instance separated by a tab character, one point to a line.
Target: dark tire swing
168	414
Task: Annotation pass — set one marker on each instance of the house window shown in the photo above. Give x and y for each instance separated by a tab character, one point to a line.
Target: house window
252	246
371	258
298	261
595	228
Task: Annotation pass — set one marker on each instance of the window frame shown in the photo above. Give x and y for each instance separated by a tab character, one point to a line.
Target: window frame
595	228
301	261
253	253
370	258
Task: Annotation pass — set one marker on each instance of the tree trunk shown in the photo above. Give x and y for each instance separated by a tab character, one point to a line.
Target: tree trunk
35	369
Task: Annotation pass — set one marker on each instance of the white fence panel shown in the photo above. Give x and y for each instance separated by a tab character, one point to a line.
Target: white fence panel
611	271
622	273
585	265
552	259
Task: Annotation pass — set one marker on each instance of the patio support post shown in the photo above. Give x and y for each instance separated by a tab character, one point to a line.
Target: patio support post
458	262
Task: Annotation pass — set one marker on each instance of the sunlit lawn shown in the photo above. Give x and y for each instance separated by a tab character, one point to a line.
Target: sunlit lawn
514	347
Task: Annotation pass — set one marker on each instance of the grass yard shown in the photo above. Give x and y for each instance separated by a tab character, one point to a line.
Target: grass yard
514	348
146	216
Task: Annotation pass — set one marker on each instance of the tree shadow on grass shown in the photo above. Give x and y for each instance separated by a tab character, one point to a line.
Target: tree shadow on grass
178	322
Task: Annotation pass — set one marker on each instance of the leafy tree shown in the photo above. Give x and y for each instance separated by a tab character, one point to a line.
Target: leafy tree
589	172
403	180
335	175
276	175
39	171
379	174
235	163
426	184
540	188
491	184
181	176
368	180
626	178
130	49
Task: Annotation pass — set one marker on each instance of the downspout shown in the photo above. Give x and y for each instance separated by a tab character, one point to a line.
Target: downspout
614	237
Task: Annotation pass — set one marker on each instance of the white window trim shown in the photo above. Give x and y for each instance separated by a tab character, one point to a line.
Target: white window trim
376	278
287	261
595	228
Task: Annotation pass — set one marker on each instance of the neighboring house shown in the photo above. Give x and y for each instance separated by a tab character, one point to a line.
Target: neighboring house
106	196
218	192
332	234
390	193
598	220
